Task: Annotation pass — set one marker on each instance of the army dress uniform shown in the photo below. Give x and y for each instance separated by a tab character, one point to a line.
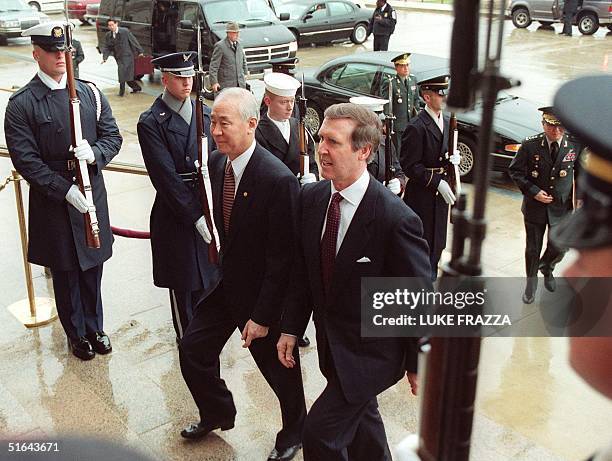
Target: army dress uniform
169	149
405	99
543	166
38	136
382	25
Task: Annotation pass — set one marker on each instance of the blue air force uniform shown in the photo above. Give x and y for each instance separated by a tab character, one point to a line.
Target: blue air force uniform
169	148
38	135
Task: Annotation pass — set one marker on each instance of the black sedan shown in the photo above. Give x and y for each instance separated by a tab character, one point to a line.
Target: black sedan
362	74
325	21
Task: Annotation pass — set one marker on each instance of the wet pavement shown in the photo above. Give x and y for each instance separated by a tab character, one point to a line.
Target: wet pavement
530	404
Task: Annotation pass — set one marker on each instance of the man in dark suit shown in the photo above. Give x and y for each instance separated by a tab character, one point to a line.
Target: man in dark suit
228	65
254	201
570	7
382	25
121	43
167	133
39	140
351	226
543	169
423	157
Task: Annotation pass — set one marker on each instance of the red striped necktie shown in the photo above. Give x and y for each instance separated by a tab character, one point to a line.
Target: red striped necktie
328	242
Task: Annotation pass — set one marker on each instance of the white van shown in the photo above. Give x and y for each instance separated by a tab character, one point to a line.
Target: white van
47	6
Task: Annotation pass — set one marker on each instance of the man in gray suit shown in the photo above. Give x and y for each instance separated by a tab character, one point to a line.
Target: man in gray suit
122	44
228	66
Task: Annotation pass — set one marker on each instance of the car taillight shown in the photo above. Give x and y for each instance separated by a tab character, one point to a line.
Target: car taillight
512	147
609	8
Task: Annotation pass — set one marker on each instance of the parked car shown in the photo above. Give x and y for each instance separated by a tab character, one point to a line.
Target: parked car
15	16
591	14
78	8
163	26
326	21
362	74
91	12
47	6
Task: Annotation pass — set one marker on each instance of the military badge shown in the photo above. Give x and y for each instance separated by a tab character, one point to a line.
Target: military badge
570	156
536	157
386	15
562	173
535	174
57	32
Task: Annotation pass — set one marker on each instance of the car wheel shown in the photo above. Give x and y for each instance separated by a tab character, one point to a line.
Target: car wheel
588	24
313	119
521	18
467	150
610	27
360	34
34	5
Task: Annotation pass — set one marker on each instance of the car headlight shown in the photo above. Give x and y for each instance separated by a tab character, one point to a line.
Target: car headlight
293	46
9	24
512	147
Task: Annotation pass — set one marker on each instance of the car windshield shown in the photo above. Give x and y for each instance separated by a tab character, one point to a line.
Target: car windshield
12	5
295	10
238	11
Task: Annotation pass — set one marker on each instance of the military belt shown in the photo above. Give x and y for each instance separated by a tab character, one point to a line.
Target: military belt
439	170
62	165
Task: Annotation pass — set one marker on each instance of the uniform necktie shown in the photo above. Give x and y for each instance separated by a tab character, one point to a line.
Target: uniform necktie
328	242
554	149
234	46
229	188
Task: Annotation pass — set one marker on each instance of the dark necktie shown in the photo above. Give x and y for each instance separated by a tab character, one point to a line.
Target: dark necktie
328	242
234	46
554	149
229	188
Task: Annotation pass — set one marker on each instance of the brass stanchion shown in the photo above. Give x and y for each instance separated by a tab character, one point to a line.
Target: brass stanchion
34	311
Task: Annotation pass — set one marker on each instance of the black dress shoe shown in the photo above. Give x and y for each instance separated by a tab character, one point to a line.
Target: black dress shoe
100	342
285	454
530	290
137	89
304	341
528	297
197	431
549	282
81	348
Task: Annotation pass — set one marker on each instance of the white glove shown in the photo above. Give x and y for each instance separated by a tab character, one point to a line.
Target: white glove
307	179
202	228
455	159
446	192
394	186
84	152
77	199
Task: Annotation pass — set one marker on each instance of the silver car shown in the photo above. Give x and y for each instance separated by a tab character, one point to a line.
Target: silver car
15	16
591	14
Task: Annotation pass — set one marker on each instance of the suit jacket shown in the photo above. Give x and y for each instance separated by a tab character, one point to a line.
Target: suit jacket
38	139
124	47
169	148
386	24
533	169
270	138
258	252
423	146
390	235
227	67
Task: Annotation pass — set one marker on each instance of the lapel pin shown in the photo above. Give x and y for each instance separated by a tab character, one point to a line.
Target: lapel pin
534	174
245	194
162	113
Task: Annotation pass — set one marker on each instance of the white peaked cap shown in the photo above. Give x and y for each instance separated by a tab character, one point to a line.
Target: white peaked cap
374	104
281	84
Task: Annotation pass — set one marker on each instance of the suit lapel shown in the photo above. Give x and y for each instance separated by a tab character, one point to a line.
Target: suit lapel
193	128
216	166
356	238
294	140
313	216
562	152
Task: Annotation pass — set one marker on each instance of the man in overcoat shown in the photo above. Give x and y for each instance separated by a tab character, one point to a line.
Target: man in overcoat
228	66
167	133
38	136
121	43
382	25
423	158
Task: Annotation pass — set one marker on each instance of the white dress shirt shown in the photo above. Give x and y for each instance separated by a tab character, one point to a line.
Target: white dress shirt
50	82
240	163
438	118
351	198
283	126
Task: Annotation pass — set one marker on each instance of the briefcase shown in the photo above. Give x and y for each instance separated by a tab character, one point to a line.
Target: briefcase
142	65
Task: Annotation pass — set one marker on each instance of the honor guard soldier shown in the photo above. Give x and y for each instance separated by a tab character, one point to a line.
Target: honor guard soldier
405	96
283	66
543	169
423	159
377	166
179	236
38	136
382	25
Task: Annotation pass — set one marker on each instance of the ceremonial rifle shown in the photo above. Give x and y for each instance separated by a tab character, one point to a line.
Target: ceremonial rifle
92	230
453	170
204	187
389	121
304	158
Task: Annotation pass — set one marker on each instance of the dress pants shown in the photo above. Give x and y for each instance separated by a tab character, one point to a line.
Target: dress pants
182	305
211	327
535	238
78	300
381	43
337	430
133	84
